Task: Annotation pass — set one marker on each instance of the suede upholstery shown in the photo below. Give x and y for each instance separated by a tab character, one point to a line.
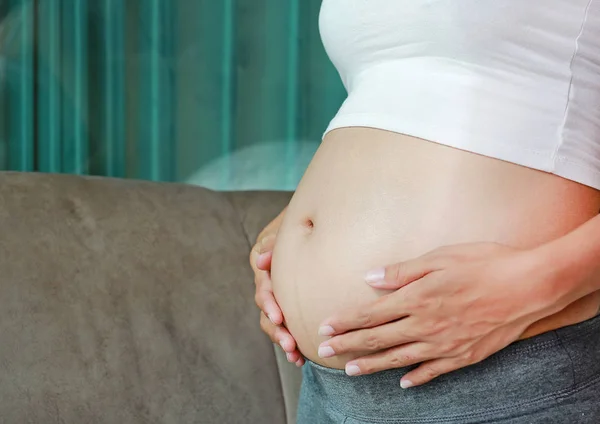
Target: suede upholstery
133	302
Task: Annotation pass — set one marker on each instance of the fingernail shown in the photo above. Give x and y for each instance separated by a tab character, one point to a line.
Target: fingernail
271	319
352	369
281	344
299	362
326	330
405	384
375	276
326	352
378	284
289	357
261	256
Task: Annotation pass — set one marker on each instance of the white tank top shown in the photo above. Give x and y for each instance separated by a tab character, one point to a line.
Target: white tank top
517	80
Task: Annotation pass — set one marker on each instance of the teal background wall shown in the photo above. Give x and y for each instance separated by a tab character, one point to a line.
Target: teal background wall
163	89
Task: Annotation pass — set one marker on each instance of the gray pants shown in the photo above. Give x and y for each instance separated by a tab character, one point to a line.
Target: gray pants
550	378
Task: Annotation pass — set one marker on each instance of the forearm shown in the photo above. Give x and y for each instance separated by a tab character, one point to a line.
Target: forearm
575	262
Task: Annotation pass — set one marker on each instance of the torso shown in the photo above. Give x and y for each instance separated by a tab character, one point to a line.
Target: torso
372	197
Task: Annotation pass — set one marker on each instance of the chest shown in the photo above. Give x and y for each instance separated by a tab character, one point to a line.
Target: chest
356	32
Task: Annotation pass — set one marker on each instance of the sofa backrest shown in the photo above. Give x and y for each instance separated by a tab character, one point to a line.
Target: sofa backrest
131	302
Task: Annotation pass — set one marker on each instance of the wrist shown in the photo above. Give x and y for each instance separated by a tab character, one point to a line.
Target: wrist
568	269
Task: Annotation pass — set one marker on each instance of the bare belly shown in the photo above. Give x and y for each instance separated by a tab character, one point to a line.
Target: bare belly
371	198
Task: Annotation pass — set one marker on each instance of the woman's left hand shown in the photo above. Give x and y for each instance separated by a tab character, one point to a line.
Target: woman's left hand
450	308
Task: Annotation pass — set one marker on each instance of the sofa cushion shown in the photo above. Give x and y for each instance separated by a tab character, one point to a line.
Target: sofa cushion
128	302
257	209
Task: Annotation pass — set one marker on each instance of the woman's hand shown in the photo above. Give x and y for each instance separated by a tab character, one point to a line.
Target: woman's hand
450	308
271	317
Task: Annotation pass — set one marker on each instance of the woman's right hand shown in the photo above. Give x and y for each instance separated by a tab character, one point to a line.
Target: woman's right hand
271	317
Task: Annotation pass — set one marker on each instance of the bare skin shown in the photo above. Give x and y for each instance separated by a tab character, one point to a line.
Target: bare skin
370	198
271	316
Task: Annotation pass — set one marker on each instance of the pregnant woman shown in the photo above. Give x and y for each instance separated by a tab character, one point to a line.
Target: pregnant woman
440	260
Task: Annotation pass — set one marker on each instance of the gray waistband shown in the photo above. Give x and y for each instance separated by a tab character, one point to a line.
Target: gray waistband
539	369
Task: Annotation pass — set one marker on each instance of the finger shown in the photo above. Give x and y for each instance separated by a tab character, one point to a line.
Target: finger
266	243
265	300
260	255
253	258
400	274
387	308
369	340
271	309
401	356
281	336
285	340
278	334
263	261
429	370
294	356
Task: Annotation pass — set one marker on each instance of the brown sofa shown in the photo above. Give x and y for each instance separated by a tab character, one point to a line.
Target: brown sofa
132	302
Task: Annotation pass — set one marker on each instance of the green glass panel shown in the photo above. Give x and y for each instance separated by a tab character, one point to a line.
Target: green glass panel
74	76
160	89
16	55
48	75
111	65
158	78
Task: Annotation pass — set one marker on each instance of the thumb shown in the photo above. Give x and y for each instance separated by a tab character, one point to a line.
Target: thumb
393	277
264	249
266	244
